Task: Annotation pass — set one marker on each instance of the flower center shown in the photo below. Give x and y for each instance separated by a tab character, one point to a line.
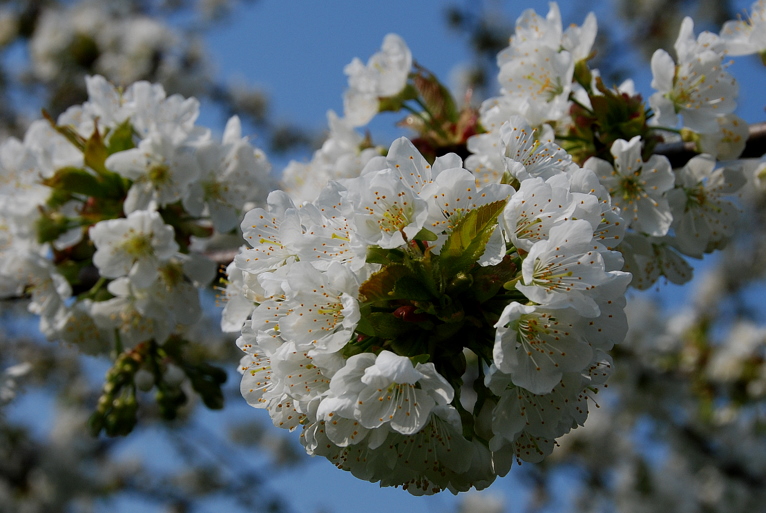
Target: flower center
138	245
159	174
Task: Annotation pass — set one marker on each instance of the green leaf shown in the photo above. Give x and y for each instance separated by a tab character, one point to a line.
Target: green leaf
387	326
425	234
363	326
58	198
95	153
437	98
489	280
50	226
68	132
409	288
121	138
420	358
469	238
380	285
395	103
378	255
583	74
70	270
77	181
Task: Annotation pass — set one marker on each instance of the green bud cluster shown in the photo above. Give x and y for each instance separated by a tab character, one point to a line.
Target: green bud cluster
117	410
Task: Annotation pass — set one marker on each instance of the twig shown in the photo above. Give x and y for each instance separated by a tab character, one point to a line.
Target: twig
680	153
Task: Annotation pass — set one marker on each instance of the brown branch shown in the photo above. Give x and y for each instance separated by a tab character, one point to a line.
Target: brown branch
222	257
681	152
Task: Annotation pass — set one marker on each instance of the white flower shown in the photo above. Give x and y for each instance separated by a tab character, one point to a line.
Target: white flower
536	348
49	290
8	381
105	103
153	111
51	150
378	414
388	211
80	329
134	317
728	142
487	160
396	393
647	258
15	252
56	31
282	379
748	36
257	385
340	157
321	308
452	195
437	457
272	235
535	208
238	298
745	341
410	166
337	409
526	424
610	228
131	46
637	187
535	31
304	377
330	235
536	70
579	40
609	328
697	87
519	410
384	75
21	193
177	292
529	156
162	172
540	79
231	174
133	246
702	218
567	269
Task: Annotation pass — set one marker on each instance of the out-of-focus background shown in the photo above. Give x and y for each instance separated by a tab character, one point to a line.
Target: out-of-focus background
682	426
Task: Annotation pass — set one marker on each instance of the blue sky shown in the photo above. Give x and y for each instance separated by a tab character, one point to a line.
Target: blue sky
297	55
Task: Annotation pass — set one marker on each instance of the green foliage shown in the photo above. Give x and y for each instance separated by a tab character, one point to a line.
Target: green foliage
613	115
121	138
117	410
468	240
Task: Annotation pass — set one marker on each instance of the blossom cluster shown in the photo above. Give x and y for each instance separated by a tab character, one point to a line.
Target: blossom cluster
374	300
422	318
105	211
431	320
545	79
117	42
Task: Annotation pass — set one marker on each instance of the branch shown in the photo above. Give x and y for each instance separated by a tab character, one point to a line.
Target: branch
222	257
680	153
